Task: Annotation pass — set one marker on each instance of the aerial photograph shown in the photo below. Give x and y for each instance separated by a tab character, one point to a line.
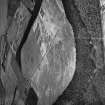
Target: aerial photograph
52	52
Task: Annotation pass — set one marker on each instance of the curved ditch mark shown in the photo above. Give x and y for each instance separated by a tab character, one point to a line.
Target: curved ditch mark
75	20
73	15
29	26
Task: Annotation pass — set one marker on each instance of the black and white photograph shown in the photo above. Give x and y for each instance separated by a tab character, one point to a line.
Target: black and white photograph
52	52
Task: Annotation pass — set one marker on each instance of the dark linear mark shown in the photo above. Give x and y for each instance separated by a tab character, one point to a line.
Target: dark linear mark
13	100
32	97
26	33
27	7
